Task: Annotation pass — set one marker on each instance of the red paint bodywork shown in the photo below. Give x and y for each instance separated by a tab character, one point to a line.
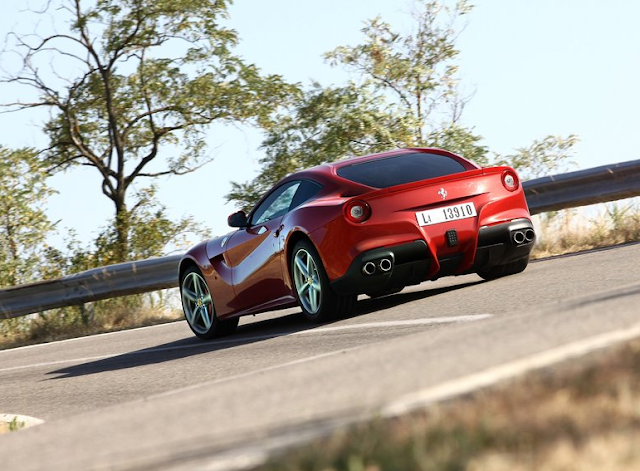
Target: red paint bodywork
247	270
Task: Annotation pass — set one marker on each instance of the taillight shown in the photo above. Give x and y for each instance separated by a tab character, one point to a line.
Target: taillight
357	211
510	180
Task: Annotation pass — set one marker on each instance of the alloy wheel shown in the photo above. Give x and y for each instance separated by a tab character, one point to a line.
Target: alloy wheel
197	303
307	281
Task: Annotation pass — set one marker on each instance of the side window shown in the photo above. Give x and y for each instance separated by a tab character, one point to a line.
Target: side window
277	204
306	191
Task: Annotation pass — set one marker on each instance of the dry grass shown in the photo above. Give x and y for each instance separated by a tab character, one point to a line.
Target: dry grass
90	319
574	230
581	416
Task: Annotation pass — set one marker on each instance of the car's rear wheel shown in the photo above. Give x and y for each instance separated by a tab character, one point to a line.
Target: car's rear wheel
319	303
198	307
507	269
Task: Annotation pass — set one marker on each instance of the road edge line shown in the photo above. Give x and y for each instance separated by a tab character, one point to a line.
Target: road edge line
491	376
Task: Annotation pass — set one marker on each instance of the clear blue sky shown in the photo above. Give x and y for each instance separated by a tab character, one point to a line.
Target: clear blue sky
536	67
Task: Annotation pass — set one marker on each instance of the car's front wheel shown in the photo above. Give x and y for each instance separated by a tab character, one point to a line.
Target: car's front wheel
198	307
318	301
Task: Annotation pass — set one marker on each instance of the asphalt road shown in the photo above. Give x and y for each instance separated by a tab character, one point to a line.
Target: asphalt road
159	399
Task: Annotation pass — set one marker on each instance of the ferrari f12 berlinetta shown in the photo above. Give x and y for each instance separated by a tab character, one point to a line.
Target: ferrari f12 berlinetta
368	225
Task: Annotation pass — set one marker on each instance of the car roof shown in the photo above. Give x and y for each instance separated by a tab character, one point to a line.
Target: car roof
328	170
326	174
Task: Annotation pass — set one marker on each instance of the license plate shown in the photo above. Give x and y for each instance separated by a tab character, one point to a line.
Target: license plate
446	214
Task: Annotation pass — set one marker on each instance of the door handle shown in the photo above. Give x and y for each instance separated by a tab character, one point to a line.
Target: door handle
278	230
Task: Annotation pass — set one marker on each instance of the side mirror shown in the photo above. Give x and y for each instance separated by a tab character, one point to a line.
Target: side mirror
238	219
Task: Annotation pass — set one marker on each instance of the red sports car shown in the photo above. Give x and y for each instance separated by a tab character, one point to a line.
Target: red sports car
368	225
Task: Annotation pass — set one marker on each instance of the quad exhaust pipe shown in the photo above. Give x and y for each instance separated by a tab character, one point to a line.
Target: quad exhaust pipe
523	236
369	268
518	237
384	265
529	235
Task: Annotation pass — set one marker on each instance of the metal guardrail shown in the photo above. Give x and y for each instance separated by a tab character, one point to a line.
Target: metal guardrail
568	190
92	285
583	187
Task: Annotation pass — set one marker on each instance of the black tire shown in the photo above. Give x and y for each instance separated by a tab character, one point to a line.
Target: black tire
319	303
507	269
199	309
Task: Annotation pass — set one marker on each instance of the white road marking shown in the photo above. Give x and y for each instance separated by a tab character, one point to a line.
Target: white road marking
87	337
491	376
58	362
227	379
24	421
410	322
233	340
294	362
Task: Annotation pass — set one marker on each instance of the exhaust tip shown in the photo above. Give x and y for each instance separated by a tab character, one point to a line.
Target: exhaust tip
529	235
369	268
518	237
385	264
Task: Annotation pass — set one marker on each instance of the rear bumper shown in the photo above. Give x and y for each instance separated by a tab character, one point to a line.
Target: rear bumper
410	263
496	244
409	266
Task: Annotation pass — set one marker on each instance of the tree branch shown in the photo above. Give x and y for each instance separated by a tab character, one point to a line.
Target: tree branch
177	172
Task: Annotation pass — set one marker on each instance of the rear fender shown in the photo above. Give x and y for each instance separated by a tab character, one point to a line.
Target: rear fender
311	222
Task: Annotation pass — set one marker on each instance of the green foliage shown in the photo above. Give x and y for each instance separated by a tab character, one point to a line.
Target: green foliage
16	425
460	140
405	96
140	77
550	155
24	256
324	124
23	223
416	69
150	231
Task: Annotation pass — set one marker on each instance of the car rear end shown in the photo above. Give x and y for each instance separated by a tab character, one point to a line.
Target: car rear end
430	213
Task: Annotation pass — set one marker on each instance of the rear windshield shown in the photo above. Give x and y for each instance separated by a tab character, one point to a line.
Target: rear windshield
405	168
